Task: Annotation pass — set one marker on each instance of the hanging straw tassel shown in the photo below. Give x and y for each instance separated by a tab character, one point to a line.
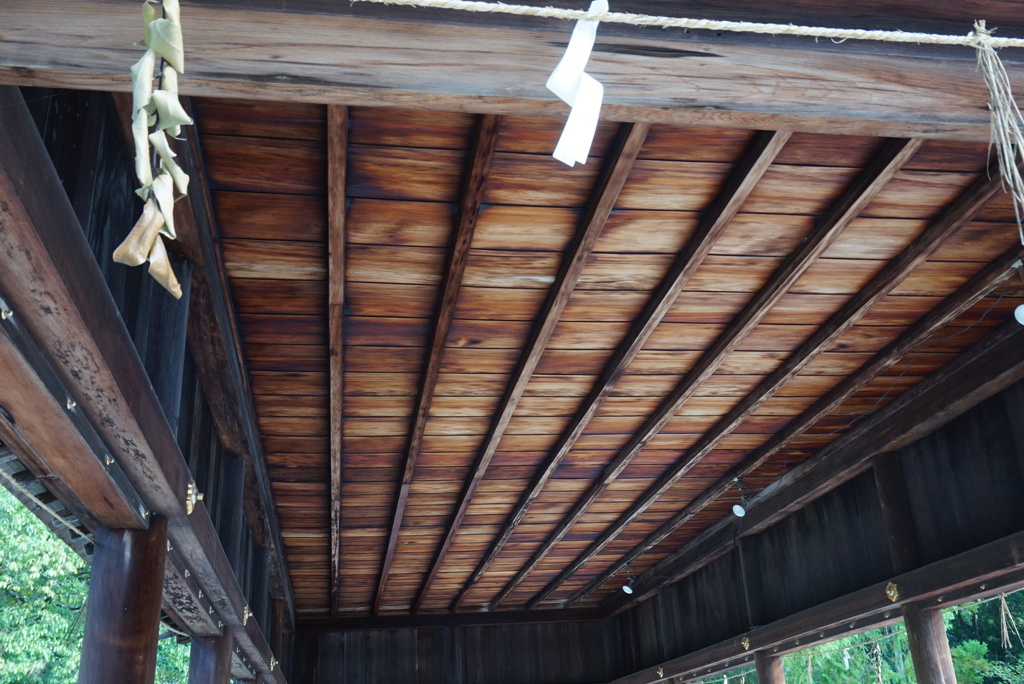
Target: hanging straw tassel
1007	122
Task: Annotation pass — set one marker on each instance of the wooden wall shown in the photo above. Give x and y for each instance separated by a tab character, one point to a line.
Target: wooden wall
553	653
964	484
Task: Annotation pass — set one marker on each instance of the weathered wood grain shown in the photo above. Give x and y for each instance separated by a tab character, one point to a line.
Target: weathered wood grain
957	214
474	179
741	183
357	64
603	199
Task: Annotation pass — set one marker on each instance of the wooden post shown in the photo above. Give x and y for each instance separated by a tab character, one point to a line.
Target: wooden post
123	612
769	668
929	647
210	659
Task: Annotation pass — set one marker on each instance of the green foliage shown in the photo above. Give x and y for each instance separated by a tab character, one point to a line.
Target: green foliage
43	587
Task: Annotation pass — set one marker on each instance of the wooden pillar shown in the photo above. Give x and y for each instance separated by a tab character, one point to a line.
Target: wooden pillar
210	659
929	647
769	668
122	614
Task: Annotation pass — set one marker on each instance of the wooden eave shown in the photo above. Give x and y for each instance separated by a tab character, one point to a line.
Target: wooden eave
486	382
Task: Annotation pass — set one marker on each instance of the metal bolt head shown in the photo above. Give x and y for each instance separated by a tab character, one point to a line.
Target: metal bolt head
5	313
187	573
108	460
71	404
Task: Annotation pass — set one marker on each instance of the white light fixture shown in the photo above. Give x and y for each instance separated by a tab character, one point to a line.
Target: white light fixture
627	588
739	511
1018	313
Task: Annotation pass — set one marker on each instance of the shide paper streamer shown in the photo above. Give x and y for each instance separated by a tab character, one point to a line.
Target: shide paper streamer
578	89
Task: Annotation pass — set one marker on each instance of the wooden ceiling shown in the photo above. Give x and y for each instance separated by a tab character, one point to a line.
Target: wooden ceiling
550	376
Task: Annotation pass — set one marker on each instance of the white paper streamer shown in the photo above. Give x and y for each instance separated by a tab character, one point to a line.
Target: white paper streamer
579	90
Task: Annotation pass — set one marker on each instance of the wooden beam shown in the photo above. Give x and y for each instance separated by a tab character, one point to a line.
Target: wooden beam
122	618
769	668
985	369
209	659
983	569
618	164
503	617
448	62
485	140
929	645
864	188
741	182
62	300
896	511
337	155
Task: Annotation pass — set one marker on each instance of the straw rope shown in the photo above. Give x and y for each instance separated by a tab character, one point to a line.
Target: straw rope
973	39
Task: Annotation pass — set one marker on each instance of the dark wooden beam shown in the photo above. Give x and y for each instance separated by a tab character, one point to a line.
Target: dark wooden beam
864	188
209	659
122	618
446	620
462	65
769	668
982	371
63	301
485	140
741	182
929	646
983	569
618	164
899	520
337	154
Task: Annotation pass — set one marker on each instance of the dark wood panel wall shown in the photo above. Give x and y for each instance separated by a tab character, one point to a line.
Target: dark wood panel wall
577	652
962	486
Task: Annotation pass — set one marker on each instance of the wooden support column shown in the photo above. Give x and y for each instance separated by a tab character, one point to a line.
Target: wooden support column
899	523
929	647
210	659
123	614
769	668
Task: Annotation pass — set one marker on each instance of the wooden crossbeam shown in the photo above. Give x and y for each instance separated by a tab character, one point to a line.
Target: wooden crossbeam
618	164
485	139
713	544
744	178
331	55
337	154
864	188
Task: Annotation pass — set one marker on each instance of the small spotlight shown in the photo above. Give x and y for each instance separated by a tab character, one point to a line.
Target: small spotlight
626	589
739	511
1018	313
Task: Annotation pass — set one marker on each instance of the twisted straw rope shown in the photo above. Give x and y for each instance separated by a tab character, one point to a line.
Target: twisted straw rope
973	39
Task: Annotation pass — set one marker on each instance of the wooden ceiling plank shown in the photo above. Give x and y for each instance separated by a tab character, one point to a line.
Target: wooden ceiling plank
741	182
979	373
337	152
485	139
949	309
864	188
618	164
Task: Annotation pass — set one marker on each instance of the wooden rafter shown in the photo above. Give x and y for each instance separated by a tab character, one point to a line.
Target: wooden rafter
337	150
737	188
949	309
485	140
617	167
860	193
959	213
